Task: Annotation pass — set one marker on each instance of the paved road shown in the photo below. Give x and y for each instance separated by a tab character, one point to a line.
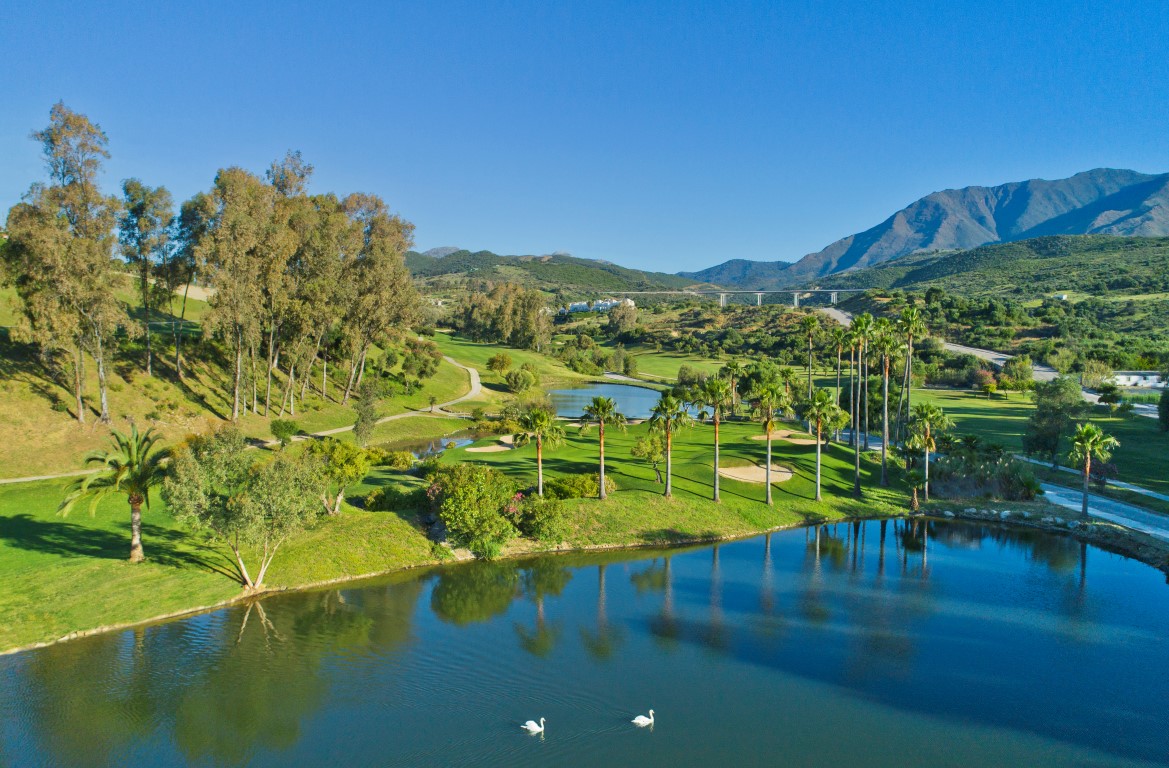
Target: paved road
1113	511
1114	483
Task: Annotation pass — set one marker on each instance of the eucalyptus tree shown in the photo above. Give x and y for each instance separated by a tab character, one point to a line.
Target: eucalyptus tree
823	414
539	425
60	253
885	345
667	417
180	263
912	326
929	421
809	325
229	254
144	234
132	468
602	411
380	297
333	244
1090	442
770	401
839	336
715	393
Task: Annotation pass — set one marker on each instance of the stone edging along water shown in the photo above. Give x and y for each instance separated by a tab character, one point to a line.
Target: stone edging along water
1107	536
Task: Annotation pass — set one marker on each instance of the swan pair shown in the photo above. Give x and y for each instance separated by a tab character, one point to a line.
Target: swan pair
640	721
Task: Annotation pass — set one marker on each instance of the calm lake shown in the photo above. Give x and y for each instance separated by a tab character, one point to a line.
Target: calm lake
633	401
879	644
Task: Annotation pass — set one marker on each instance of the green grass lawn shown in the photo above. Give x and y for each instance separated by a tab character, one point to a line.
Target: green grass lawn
1140	459
68	574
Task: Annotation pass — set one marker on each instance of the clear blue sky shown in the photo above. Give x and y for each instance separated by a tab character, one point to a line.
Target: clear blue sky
666	136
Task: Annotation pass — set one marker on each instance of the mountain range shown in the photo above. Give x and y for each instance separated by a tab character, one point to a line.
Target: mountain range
1103	201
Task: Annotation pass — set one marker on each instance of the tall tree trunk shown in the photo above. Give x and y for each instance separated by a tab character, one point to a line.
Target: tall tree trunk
602	441
767	470
1087	475
308	373
865	402
885	422
926	487
239	370
669	464
325	375
716	498
361	369
178	332
809	367
78	379
100	359
839	355
255	381
239	563
136	555
852	423
149	353
818	426
271	364
854	403
539	466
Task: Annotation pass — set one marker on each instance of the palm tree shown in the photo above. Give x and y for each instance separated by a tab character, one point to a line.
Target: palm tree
912	326
839	336
1090	442
862	326
130	468
853	409
787	377
715	393
809	324
667	417
540	424
602	411
733	370
928	422
884	344
819	411
771	400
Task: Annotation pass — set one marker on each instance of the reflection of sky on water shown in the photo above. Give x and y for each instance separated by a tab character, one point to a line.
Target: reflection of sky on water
908	643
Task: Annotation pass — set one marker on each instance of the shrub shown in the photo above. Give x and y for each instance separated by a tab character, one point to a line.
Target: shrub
382	457
475	503
580	486
520	380
394	499
543	519
283	430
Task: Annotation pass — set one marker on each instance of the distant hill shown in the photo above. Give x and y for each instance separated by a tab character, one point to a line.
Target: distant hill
1103	201
1101	265
556	273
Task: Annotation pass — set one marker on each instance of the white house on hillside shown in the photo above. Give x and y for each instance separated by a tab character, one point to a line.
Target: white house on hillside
1148	379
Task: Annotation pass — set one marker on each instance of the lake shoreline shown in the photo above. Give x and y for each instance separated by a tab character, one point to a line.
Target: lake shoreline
1112	538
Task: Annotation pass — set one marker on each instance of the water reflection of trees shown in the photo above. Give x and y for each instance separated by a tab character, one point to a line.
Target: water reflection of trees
542	578
475	592
602	641
228	684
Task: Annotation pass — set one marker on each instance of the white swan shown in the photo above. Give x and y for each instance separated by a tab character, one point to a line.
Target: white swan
533	727
642	721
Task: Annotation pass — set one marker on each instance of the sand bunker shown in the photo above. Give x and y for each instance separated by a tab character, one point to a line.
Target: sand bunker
507	439
756	474
490	449
795	438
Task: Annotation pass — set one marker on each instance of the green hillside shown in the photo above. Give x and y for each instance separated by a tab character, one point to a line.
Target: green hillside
1078	265
556	273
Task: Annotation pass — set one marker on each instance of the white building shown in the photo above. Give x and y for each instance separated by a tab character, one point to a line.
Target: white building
1145	379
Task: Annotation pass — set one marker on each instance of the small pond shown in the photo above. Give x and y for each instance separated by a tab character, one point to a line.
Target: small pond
907	644
425	448
633	401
